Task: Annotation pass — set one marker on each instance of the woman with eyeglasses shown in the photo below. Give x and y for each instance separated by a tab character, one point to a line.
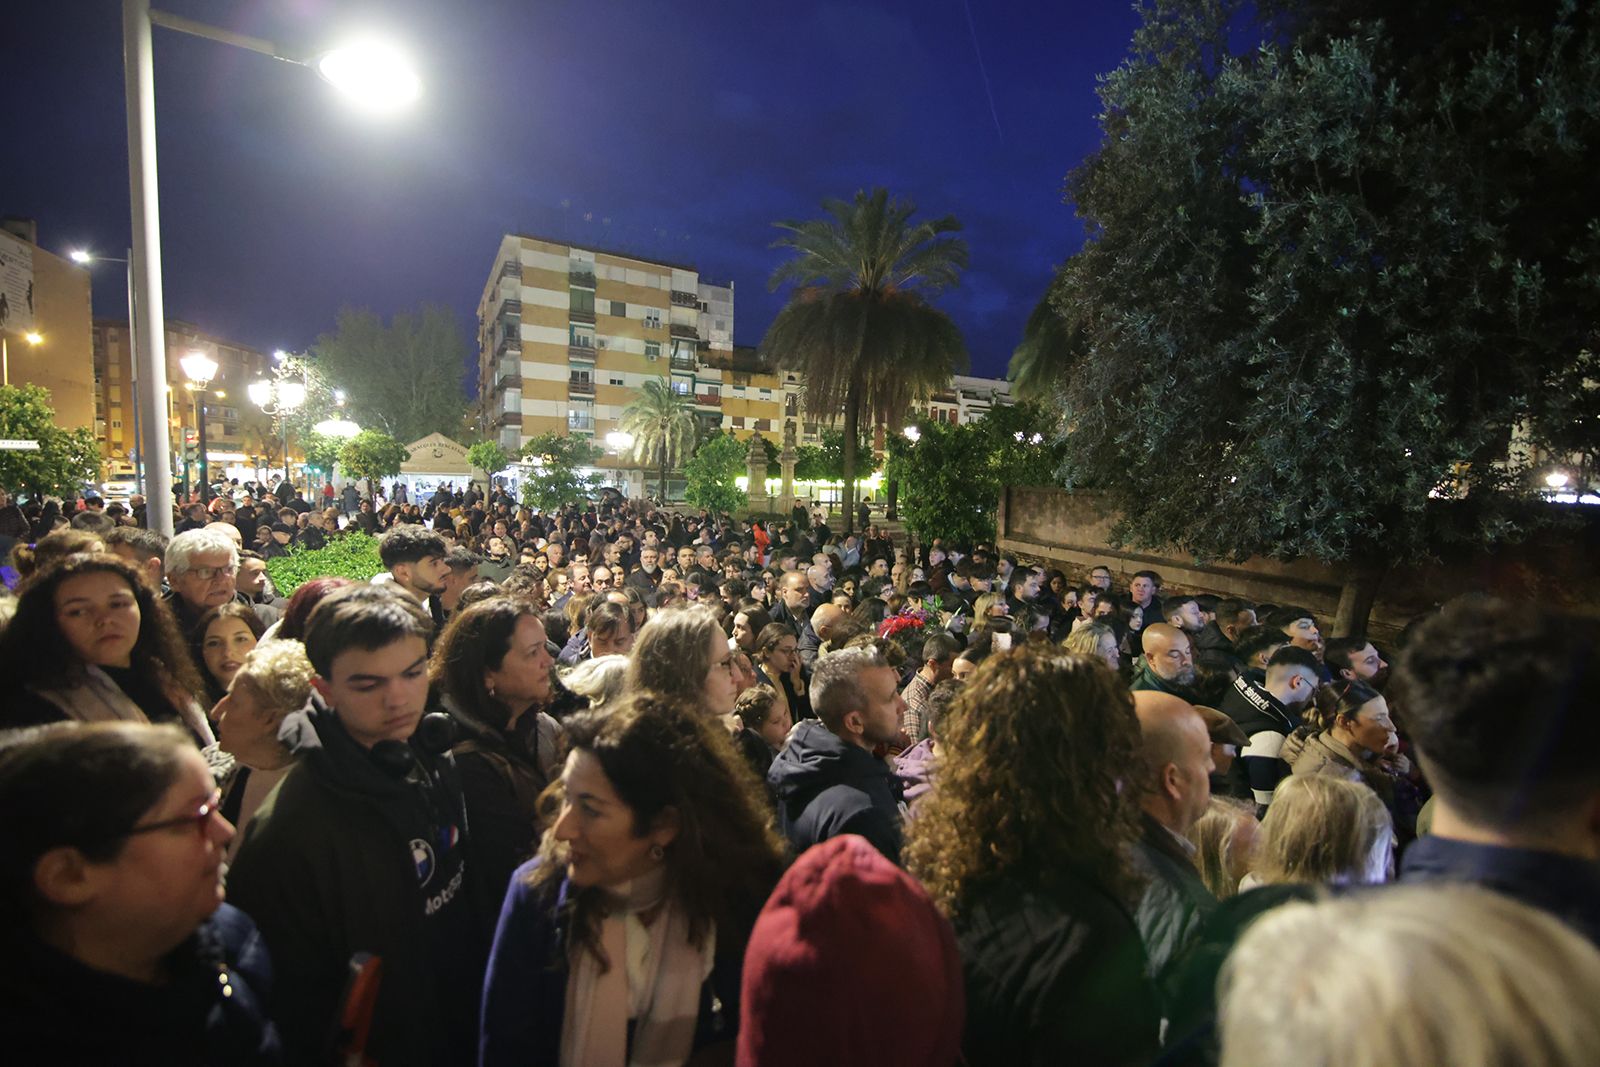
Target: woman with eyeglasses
90	642
682	653
115	946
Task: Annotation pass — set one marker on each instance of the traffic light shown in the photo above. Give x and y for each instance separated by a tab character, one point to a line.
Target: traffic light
191	446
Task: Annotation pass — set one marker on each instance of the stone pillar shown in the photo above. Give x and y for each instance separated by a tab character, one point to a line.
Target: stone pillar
756	470
786	460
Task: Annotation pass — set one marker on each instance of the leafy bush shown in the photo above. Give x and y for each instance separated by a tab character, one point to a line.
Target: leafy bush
711	472
350	555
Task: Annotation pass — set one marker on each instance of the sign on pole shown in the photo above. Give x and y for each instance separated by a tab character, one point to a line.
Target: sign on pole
13	444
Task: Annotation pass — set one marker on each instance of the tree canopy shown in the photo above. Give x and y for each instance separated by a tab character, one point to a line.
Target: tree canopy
711	473
488	457
64	460
1335	264
373	455
404	378
952	475
858	325
555	479
663	427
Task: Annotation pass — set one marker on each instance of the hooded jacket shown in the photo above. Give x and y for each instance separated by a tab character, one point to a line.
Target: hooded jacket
1268	724
828	787
356	854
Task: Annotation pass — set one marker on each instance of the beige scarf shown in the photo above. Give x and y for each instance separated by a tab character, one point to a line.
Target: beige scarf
654	979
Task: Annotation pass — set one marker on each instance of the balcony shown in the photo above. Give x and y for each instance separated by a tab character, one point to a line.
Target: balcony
508	418
581	279
580	387
682	362
685	300
511	268
580	424
509	343
508	374
688	333
581	354
510	307
577	315
708	399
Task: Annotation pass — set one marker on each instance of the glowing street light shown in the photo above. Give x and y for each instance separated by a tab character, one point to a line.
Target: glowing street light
1557	479
619	440
276	398
337	428
376	77
912	434
200	368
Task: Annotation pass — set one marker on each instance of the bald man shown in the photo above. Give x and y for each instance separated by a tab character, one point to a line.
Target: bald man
1175	744
826	623
1168	662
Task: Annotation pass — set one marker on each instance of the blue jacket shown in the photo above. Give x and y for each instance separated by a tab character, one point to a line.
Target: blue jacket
213	1010
1565	886
827	787
525	990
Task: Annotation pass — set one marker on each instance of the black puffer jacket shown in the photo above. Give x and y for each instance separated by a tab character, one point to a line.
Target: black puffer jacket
826	787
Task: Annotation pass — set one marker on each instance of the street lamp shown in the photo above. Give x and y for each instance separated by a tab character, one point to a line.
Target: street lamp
200	368
370	72
276	398
85	258
33	337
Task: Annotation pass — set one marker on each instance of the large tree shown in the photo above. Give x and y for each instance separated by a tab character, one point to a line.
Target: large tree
663	428
556	479
373	455
64	460
1336	263
858	325
403	378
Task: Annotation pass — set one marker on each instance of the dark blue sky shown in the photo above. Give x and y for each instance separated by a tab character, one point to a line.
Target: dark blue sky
672	129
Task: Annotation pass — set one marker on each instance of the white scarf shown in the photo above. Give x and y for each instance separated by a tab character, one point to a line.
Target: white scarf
654	979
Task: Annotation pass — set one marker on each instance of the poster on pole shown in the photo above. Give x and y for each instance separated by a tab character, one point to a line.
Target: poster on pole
16	284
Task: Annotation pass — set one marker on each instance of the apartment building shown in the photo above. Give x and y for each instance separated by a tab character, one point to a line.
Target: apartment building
237	433
568	335
44	321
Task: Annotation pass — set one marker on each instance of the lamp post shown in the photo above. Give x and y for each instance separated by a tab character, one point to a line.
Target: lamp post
200	368
374	75
277	397
87	258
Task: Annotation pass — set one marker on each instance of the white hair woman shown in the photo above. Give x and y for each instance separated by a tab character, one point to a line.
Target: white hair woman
1424	974
273	680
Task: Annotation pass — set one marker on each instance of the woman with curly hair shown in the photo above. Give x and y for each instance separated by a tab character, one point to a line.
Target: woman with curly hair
1024	844
623	940
91	642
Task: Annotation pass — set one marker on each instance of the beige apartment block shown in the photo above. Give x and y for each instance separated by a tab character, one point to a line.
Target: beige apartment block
46	297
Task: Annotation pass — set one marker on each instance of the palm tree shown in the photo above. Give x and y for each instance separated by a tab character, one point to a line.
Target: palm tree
857	325
662	425
1040	361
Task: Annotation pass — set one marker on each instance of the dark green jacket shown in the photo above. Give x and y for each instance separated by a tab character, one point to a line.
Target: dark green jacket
347	856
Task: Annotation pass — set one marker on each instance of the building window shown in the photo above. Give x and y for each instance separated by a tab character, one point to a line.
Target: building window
582	300
738	422
116	424
652	350
764	424
652	318
682	386
791	405
579	420
619	308
615	381
580	335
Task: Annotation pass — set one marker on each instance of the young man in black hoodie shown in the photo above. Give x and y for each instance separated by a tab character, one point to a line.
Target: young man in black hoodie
361	848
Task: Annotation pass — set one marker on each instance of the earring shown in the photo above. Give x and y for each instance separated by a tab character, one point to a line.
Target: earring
658	853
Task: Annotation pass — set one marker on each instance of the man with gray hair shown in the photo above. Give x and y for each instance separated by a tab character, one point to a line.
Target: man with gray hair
200	567
827	779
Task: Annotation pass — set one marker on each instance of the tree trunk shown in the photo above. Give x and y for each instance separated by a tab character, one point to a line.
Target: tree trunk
891	510
663	477
1361	581
847	496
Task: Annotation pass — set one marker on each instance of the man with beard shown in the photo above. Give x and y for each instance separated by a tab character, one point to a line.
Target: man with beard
414	560
1354	659
1268	713
1168	662
1183	611
648	574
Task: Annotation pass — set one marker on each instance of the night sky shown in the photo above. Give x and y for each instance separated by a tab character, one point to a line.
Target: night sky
670	129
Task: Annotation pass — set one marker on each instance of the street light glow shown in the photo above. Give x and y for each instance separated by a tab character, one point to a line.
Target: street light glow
337	428
376	77
912	434
1556	479
260	393
280	355
619	440
291	395
78	255
33	337
198	367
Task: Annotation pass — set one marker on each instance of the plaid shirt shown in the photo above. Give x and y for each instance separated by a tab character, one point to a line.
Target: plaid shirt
914	720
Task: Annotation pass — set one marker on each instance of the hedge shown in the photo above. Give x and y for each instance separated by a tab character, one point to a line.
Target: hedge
350	555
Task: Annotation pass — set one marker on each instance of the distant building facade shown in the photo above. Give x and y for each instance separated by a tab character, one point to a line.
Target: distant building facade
47	296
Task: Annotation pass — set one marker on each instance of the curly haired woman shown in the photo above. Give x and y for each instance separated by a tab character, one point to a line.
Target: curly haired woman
1024	845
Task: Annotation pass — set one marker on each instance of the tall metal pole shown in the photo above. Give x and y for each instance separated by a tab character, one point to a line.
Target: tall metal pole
205	469
133	365
150	329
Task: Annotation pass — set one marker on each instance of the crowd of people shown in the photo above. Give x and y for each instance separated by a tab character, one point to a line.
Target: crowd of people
623	785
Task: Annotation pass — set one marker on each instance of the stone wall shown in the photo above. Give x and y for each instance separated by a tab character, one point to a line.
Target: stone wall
1070	530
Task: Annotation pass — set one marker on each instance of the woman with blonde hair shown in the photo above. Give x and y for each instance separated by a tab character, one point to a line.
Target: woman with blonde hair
1095	639
1323	830
1225	840
1025	846
273	680
683	653
1424	974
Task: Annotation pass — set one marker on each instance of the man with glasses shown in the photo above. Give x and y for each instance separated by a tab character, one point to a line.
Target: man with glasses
200	567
